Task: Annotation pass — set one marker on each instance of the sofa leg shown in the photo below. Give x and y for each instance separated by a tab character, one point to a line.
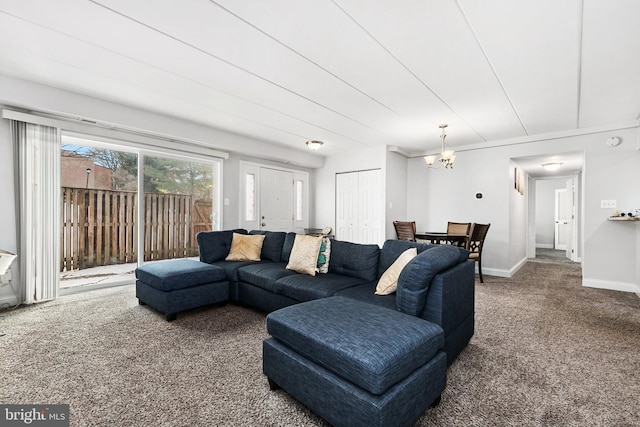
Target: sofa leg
272	385
141	302
436	402
170	317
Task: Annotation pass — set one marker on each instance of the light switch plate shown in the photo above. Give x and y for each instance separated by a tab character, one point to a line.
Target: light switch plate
608	204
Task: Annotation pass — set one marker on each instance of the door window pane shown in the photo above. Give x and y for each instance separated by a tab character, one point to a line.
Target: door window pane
299	200
250	203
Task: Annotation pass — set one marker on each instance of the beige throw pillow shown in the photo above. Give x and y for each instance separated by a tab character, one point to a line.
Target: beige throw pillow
388	282
304	254
245	247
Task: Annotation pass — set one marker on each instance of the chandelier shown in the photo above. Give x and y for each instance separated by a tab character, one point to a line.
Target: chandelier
447	157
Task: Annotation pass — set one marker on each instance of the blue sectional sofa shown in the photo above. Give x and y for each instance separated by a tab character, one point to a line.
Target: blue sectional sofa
437	285
353	357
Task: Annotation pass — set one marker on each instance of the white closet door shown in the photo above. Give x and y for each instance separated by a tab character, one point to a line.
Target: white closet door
346	206
369	201
359	206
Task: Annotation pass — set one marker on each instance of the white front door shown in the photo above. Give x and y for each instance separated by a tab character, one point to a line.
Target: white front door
276	200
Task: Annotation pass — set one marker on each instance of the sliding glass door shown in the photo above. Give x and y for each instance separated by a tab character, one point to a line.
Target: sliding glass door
117	200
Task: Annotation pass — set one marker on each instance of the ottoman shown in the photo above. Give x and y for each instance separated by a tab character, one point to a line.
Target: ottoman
355	364
178	285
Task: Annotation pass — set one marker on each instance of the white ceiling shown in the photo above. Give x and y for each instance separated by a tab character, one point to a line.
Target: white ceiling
352	73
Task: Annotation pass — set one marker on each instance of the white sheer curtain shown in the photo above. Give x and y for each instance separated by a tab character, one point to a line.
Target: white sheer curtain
37	165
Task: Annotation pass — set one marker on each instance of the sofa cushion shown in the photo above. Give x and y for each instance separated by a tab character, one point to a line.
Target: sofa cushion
413	283
370	346
388	282
366	293
272	246
231	268
354	260
178	274
264	274
215	245
304	255
287	246
302	287
245	247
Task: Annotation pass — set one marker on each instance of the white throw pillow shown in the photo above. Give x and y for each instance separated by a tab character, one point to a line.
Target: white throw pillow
304	254
245	247
388	282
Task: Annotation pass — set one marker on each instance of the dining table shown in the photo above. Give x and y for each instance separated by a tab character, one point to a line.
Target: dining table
440	238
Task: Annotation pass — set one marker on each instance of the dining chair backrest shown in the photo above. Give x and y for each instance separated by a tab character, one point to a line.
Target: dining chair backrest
405	230
458	227
475	243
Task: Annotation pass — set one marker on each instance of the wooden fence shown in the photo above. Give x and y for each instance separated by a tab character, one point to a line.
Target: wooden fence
99	227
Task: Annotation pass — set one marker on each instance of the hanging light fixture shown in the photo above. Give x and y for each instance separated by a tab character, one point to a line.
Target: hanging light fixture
447	157
314	145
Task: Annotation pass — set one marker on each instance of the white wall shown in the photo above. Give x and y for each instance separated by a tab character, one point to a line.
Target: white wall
396	201
517	224
545	210
438	196
610	249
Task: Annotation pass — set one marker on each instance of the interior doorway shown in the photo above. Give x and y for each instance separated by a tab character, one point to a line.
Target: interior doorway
557	217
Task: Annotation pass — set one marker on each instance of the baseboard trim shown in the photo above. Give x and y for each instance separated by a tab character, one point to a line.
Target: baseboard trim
613	286
544	246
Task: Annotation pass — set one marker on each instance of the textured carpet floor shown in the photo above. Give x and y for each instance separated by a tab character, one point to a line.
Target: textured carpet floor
547	352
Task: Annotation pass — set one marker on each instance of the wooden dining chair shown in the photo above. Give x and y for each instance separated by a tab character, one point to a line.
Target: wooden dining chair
458	227
405	230
475	242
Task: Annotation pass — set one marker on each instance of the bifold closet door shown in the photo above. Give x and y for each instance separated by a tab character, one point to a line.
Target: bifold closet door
359	206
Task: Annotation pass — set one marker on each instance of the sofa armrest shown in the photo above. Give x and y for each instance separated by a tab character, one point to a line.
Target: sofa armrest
451	304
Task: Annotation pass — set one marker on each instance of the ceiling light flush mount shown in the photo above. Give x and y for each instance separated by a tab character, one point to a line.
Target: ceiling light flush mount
447	157
314	145
552	166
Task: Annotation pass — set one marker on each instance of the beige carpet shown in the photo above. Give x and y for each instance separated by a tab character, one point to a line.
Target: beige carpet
547	352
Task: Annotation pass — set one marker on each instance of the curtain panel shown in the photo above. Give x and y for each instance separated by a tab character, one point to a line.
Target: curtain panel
37	162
